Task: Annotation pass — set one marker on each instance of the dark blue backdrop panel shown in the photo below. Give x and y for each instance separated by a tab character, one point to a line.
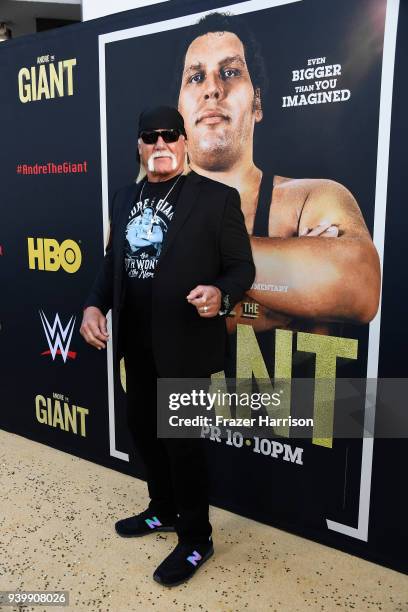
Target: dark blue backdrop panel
336	141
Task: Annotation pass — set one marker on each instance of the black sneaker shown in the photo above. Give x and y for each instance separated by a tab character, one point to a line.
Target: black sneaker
182	563
144	523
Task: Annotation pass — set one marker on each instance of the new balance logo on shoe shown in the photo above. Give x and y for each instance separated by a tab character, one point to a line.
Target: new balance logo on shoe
153	522
194	558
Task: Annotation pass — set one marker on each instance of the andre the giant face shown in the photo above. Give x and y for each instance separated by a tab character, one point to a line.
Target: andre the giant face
218	101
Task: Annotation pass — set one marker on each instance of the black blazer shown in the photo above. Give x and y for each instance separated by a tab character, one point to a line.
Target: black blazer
206	244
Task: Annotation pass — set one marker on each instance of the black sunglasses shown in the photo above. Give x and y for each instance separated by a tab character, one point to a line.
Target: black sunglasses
153	137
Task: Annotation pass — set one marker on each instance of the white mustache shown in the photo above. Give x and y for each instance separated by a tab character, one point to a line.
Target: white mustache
156	154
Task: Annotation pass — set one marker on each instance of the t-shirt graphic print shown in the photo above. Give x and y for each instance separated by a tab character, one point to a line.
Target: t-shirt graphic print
147	226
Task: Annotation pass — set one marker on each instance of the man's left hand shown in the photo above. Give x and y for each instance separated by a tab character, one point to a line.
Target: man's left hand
207	300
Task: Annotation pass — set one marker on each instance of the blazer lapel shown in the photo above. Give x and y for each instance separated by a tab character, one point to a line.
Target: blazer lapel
129	200
130	197
186	201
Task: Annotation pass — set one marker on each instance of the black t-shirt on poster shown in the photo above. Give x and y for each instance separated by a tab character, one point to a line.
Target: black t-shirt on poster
146	231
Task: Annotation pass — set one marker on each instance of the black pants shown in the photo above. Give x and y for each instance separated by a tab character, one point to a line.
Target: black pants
176	468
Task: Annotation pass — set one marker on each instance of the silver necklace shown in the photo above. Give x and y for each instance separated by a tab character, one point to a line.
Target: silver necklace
168	193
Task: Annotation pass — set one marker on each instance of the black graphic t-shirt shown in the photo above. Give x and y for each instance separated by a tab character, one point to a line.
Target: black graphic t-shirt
146	231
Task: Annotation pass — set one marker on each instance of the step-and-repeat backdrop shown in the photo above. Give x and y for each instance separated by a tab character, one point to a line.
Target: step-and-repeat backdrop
313	105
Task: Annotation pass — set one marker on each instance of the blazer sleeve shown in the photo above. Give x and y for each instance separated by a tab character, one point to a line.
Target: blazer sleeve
101	293
237	264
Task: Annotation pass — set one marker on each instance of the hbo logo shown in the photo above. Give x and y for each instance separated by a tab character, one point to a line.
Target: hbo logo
48	254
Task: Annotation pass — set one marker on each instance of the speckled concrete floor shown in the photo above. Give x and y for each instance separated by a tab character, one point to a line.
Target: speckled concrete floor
57	533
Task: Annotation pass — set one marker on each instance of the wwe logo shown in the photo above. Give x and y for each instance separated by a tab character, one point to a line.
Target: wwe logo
58	337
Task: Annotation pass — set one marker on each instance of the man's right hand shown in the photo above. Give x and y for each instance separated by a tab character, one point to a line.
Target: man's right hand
93	327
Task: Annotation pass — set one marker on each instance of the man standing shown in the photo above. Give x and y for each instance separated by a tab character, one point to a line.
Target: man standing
303	279
178	259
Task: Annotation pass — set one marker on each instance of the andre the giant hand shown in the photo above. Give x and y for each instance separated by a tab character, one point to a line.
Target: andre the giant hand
93	327
207	300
